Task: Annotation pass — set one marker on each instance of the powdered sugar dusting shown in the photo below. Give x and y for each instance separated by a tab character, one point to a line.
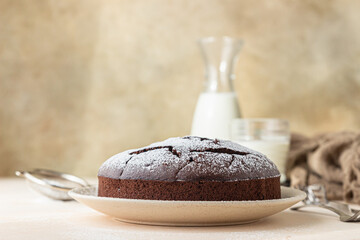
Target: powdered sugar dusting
189	159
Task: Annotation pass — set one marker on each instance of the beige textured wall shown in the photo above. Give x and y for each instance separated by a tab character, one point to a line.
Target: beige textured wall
82	80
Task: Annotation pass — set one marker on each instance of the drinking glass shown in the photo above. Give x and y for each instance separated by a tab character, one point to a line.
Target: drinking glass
266	135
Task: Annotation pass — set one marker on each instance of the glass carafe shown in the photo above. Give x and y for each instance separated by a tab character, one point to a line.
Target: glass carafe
218	104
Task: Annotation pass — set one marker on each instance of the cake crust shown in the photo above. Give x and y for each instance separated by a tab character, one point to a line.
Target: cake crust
257	189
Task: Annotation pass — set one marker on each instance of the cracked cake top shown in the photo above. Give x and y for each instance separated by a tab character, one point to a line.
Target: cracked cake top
189	158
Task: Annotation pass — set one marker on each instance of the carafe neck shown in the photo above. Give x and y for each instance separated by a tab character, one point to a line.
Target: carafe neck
220	56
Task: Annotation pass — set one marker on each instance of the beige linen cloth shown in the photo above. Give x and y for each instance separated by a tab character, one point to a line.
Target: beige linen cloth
331	159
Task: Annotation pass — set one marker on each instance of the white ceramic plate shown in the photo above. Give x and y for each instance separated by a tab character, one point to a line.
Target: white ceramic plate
186	213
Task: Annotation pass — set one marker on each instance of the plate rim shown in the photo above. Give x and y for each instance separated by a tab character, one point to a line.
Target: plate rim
298	196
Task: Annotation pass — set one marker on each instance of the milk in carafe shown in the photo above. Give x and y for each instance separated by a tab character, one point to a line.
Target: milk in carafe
214	113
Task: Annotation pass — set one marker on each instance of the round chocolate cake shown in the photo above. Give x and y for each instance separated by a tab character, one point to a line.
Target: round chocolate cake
190	168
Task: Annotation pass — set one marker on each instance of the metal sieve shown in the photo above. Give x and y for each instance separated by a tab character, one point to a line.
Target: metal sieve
52	184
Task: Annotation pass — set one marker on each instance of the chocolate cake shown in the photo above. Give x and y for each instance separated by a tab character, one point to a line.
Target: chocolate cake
190	168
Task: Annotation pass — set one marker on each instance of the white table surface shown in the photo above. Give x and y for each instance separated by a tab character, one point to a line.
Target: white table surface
24	214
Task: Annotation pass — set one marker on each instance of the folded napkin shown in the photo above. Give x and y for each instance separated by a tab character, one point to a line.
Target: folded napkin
331	159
